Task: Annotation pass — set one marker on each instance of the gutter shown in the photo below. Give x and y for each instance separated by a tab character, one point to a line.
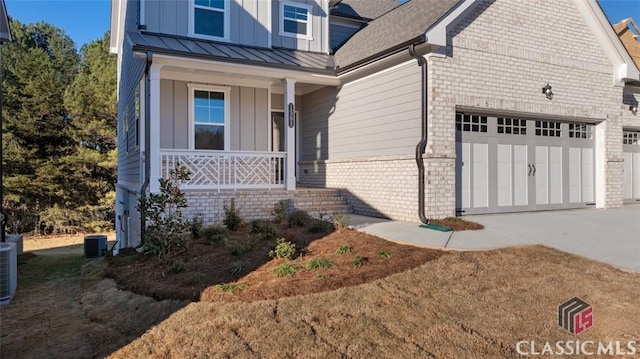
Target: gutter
147	138
422	145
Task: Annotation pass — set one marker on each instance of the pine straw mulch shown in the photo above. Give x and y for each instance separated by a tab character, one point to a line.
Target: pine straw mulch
208	265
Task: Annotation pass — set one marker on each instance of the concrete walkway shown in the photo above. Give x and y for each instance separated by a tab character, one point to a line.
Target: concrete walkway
607	235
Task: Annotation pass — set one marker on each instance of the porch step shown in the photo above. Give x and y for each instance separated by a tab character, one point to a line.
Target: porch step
320	202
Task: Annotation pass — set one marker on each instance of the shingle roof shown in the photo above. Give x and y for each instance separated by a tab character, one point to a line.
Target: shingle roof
405	23
364	9
195	48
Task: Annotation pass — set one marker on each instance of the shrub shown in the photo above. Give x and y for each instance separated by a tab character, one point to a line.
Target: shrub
266	229
284	270
215	234
165	231
358	261
196	226
298	218
232	219
238	267
341	220
384	254
279	211
318	263
241	247
284	249
230	287
176	265
343	250
319	226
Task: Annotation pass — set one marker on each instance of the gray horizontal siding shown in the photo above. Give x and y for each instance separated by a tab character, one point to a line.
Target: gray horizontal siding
248	25
376	116
249	117
319	23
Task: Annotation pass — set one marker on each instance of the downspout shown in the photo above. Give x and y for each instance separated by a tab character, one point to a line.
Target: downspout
147	138
422	145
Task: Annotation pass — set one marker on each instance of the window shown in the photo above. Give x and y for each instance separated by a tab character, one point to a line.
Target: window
209	118
295	20
512	126
471	123
548	129
210	19
580	130
630	138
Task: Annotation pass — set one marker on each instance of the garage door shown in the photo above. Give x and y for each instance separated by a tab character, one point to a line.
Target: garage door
631	153
508	164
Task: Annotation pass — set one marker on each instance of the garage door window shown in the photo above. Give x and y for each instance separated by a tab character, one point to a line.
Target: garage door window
512	126
630	138
471	123
548	129
580	130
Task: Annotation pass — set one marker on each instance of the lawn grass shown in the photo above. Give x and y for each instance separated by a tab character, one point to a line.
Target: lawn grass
461	305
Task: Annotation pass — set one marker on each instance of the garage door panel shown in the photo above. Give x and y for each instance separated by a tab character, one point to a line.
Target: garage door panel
520	175
575	191
504	178
628	175
588	175
542	175
636	175
480	180
555	175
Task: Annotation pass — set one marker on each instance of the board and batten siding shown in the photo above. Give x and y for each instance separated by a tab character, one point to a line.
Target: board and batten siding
248	25
249	117
319	31
378	115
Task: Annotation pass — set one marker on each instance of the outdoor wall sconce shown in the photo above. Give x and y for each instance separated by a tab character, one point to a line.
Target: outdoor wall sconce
633	109
547	91
292	115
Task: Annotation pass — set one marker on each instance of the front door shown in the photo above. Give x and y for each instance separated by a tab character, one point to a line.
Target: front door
278	134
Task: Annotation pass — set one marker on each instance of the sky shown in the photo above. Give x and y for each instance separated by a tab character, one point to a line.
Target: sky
87	20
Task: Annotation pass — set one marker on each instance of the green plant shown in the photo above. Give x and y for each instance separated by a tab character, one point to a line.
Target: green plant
343	250
232	219
176	265
298	218
341	220
318	263
358	261
238	267
165	231
241	246
230	287
196	226
319	226
284	249
215	234
266	229
384	254
284	270
323	276
279	211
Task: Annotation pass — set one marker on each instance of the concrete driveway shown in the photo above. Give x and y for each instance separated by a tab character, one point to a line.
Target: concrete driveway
607	235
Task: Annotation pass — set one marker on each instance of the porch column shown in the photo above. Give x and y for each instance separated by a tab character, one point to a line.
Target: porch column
290	137
155	170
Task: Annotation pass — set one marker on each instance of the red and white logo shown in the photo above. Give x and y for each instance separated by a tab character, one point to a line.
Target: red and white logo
575	315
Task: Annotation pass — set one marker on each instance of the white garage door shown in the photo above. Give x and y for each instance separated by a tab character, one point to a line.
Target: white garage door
631	153
507	164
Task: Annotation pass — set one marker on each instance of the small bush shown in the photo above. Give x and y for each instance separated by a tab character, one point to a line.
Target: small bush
279	211
215	234
358	261
232	219
341	221
319	226
238	267
343	250
241	247
298	218
196	226
318	263
176	265
266	229
384	254
230	287
284	270
284	249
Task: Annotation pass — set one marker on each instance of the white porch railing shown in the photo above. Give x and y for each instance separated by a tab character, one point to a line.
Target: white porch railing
227	170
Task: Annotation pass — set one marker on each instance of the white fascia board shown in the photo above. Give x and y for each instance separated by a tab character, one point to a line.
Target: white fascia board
246	70
437	33
624	67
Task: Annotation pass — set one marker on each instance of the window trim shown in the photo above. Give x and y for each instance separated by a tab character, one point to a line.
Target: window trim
309	9
227	116
192	21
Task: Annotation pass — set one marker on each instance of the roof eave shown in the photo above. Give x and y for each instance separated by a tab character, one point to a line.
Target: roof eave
380	55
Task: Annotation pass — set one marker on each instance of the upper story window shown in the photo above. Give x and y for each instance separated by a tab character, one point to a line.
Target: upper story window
209	19
209	117
295	20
